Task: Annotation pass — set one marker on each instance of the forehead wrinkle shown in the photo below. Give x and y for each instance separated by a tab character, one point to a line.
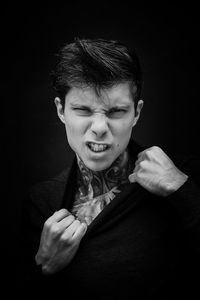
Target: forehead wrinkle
105	98
113	97
91	100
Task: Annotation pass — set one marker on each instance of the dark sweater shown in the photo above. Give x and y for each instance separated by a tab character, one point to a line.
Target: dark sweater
141	246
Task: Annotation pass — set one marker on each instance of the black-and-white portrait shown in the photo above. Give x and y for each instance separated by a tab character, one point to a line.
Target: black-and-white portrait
101	160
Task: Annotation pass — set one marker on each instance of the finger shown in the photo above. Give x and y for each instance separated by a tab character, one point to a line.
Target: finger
137	166
66	222
141	154
141	157
59	215
57	228
145	154
132	177
137	162
80	232
52	221
68	233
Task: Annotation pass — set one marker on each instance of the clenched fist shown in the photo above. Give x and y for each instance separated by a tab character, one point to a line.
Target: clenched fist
59	241
156	172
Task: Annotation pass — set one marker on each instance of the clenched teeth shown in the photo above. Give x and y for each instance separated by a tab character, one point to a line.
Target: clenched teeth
97	147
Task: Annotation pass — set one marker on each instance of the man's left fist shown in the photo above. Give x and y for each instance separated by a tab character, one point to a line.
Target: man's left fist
156	172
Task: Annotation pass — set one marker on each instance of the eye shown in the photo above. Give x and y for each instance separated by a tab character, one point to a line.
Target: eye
82	110
116	113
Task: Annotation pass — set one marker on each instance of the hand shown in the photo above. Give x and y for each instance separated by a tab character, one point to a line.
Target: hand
155	171
59	241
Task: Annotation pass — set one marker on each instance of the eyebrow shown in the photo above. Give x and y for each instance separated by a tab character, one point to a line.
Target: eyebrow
122	106
79	105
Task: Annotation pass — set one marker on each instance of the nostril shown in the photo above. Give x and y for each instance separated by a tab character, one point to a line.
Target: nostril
99	126
99	133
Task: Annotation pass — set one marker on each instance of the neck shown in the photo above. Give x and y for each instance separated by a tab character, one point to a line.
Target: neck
104	181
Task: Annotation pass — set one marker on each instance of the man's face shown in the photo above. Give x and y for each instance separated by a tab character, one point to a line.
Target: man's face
98	128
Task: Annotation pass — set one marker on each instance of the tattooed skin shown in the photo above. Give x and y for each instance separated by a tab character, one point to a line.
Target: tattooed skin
97	189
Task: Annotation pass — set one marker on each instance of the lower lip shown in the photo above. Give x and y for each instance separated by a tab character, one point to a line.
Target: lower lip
98	154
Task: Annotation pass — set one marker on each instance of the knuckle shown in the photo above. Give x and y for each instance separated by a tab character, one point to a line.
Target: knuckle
155	148
76	223
70	218
64	210
138	175
65	239
55	230
142	164
48	223
148	152
46	270
38	259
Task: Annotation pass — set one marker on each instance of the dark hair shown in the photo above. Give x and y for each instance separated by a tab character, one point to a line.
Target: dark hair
97	63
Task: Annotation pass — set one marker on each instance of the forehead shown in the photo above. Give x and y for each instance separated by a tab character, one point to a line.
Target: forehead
119	94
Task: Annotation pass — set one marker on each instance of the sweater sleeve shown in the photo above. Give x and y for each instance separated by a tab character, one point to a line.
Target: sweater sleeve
31	223
41	202
186	201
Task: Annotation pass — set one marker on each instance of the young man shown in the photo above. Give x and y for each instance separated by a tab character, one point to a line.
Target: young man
121	220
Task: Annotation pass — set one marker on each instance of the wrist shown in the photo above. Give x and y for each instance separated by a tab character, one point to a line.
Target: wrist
174	183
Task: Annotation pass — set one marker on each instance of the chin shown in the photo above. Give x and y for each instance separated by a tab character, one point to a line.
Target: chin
97	167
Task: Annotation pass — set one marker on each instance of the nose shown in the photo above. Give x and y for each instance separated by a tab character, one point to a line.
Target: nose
99	125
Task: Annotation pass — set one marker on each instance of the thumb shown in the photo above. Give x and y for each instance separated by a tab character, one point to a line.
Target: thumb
132	178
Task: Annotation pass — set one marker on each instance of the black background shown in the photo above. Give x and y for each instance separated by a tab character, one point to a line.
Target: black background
34	144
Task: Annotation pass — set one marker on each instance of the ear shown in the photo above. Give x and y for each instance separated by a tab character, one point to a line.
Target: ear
138	111
60	110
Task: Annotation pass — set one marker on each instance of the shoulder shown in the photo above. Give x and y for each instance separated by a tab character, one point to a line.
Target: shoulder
189	164
48	186
47	196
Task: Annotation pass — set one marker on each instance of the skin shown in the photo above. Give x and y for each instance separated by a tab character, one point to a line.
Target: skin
62	233
154	170
60	239
97	122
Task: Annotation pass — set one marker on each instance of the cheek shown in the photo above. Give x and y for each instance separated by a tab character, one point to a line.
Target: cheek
123	128
122	135
71	130
75	128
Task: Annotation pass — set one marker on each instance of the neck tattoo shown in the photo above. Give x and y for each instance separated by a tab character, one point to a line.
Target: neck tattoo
96	189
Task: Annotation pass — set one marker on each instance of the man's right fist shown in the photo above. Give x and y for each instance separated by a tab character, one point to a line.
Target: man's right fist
60	239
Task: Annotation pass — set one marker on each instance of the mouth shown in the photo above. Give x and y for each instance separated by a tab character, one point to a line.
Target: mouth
97	147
